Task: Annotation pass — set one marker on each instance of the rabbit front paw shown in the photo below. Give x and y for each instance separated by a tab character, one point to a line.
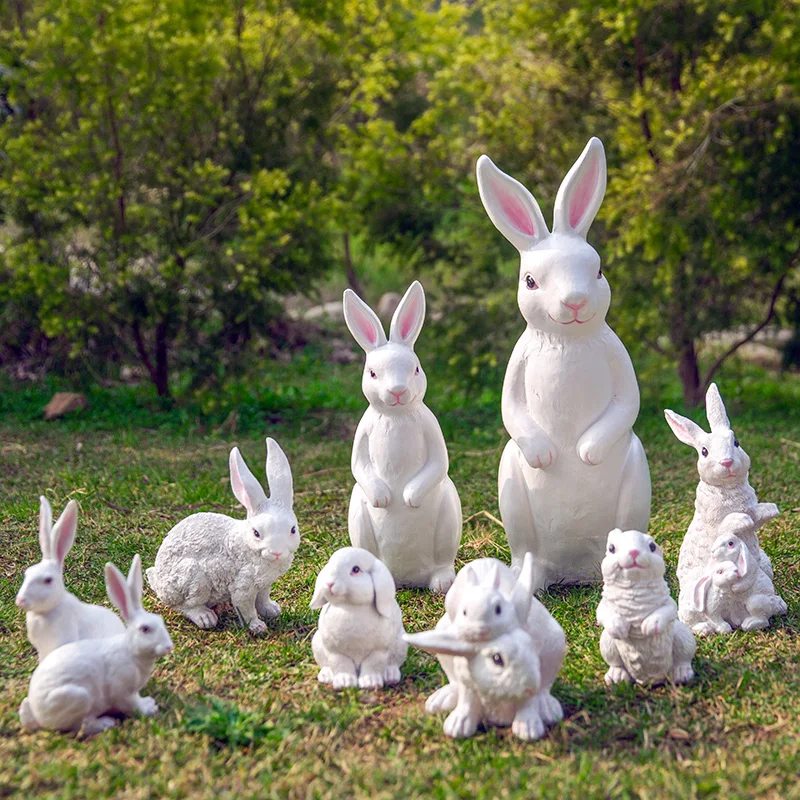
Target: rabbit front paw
653	624
592	450
257	627
414	494
370	681
528	725
617	627
344	680
538	450
766	511
460	724
146	706
268	609
378	493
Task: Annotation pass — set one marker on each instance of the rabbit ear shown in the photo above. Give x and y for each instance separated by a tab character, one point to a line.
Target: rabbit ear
118	594
362	322
318	600
441	642
581	192
279	476
492	579
522	596
687	431
409	316
510	206
715	410
62	536
45	526
246	488
701	590
135	583
383	583
744	559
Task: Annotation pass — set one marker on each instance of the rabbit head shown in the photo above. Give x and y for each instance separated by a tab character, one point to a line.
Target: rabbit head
43	586
393	380
723	576
632	556
270	529
146	633
354	577
732	549
484	612
721	460
562	289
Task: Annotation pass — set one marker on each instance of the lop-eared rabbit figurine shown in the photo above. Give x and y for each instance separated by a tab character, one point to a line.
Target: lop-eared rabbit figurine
78	686
360	637
208	559
725	505
404	508
53	616
643	640
573	469
501	651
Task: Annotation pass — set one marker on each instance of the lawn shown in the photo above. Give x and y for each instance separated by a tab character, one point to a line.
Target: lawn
243	717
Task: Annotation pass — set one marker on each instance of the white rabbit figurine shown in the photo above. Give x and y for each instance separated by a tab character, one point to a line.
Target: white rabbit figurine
404	508
208	559
573	469
53	616
360	637
725	505
501	651
78	685
643	640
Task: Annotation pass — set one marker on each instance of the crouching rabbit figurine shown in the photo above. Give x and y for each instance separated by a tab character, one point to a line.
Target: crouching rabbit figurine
643	640
501	651
208	559
573	469
360	637
404	508
53	615
79	685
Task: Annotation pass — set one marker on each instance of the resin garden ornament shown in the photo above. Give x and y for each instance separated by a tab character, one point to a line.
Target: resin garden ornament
643	640
573	469
360	637
53	616
724	528
404	508
208	559
78	686
501	651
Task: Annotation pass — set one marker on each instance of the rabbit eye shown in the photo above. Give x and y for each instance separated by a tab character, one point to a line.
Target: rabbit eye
144	628
48	581
293	530
720	571
256	534
498	610
704	451
498	659
652	547
465	612
416	371
735	442
530	282
356	569
599	273
611	548
372	374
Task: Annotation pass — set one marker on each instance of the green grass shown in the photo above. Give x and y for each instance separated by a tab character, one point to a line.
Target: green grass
243	717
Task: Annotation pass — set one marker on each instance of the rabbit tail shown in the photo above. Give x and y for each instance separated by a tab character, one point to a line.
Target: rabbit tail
26	716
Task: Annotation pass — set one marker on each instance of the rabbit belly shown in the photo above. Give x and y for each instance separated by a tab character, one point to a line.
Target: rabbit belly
355	632
647	658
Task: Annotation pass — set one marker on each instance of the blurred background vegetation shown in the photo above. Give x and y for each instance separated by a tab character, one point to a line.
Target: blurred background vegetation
181	181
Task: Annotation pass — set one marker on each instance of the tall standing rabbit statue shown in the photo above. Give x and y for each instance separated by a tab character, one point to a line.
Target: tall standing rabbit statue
404	508
573	469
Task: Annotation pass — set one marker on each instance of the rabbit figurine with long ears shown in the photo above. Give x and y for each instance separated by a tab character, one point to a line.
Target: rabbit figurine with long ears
573	469
78	686
725	505
53	616
360	637
208	559
404	508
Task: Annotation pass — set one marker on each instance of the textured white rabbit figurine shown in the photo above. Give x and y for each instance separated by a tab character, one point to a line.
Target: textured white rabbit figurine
573	469
53	616
208	559
725	504
360	637
404	508
643	640
77	686
501	651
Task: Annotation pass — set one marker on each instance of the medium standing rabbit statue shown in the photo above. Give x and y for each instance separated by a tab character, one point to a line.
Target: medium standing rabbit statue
404	508
573	469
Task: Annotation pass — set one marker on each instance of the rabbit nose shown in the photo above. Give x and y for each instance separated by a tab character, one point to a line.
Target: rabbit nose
21	602
576	304
398	391
633	553
330	585
727	462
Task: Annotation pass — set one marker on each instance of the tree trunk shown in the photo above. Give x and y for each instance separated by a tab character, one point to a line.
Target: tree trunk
162	364
352	278
689	373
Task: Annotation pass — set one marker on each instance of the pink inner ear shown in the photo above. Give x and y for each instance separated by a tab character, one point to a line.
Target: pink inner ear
365	325
514	210
409	317
118	589
583	192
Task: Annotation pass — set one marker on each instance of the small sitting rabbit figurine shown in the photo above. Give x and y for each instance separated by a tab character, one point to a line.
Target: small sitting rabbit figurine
53	616
78	685
360	637
642	639
501	651
404	508
725	504
207	559
573	469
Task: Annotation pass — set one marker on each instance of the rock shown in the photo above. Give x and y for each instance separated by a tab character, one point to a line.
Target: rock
387	305
332	310
62	403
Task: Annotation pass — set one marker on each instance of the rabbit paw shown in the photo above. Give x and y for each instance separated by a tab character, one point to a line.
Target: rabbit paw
652	625
705	629
257	627
460	724
91	727
203	617
442	580
370	681
617	628
736	524
146	706
617	675
391	675
682	673
528	726
766	511
538	450
413	496
378	493
592	451
268	609
755	623
549	708
325	675
443	699
344	680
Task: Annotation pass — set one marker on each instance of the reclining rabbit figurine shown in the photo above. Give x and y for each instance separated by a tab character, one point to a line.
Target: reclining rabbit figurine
53	615
78	685
404	508
360	637
573	469
207	559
